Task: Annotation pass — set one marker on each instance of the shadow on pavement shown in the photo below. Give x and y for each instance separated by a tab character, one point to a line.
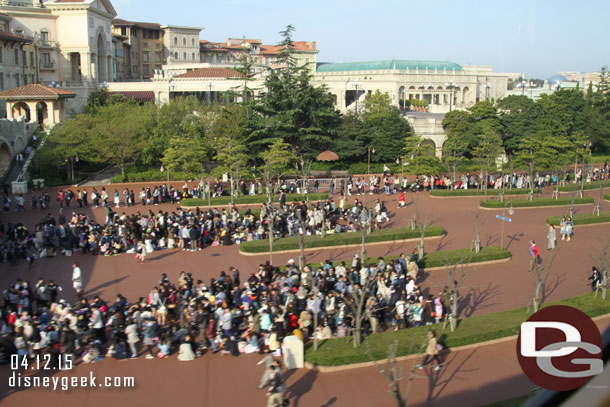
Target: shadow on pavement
302	386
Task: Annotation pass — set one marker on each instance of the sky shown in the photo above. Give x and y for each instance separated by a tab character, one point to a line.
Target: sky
536	37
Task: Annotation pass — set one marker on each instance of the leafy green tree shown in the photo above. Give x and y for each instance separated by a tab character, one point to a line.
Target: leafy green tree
350	142
518	117
292	109
228	140
419	156
383	126
597	113
489	148
188	149
276	160
454	151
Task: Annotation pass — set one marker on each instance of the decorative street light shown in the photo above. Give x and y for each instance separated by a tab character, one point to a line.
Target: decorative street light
172	86
451	85
371	149
356	84
210	84
422	87
487	87
523	84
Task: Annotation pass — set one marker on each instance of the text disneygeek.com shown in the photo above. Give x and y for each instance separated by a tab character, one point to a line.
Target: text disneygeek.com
17	380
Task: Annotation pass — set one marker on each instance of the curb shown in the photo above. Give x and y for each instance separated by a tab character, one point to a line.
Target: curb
534	207
345	246
341	368
476	263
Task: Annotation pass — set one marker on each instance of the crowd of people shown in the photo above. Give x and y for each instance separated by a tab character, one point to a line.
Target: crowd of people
230	314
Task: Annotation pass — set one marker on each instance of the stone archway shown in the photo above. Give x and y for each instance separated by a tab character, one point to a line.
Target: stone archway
42	111
465	94
22	109
429	142
5	156
101	60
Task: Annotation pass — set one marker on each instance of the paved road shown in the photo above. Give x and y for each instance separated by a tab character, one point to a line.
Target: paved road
471	377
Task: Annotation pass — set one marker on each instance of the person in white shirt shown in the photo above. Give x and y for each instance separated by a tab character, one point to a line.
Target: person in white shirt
77	281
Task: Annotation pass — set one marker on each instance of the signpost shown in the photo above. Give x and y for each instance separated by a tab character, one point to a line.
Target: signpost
503	219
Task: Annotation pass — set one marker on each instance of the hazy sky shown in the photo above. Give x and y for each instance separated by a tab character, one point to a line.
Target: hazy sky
532	36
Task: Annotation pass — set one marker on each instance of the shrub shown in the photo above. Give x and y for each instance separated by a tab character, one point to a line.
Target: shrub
335	352
450	257
478	192
140	175
339	239
582	219
578	186
524	203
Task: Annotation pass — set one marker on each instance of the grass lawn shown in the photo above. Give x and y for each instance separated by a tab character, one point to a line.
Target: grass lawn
248	199
582	219
481	328
591	185
514	402
526	203
339	239
478	192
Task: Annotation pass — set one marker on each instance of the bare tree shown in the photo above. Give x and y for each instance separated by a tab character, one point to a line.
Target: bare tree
270	219
394	374
477	241
356	300
571	209
415	211
301	239
602	262
423	226
316	311
541	272
457	274
364	219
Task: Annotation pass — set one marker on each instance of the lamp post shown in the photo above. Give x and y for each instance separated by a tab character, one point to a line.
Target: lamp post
523	83
370	149
356	84
163	169
511	212
404	98
210	84
422	87
451	85
487	87
72	160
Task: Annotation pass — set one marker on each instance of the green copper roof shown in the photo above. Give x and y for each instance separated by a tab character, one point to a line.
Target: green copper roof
390	64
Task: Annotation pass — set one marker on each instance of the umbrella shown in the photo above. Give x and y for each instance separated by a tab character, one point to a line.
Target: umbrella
327	156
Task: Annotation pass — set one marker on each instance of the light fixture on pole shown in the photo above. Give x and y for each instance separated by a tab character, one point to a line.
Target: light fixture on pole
371	149
357	84
172	86
210	84
487	87
451	85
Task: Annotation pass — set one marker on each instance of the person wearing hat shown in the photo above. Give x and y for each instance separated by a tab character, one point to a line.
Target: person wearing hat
77	281
534	252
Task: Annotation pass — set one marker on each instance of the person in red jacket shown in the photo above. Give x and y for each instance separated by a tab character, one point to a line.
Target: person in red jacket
534	254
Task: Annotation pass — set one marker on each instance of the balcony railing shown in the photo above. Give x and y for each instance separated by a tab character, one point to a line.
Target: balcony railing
48	43
47	65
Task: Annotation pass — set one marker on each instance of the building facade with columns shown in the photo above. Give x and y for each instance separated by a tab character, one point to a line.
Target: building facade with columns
443	85
72	41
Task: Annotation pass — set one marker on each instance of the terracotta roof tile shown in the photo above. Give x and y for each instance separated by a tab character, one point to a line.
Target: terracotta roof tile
211	73
138	96
36	90
13	37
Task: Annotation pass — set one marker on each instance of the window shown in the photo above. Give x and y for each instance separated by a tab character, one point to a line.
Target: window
156	35
134	32
124	31
90	21
46	58
157	45
24	58
145	70
16	56
175	40
176	56
1	52
193	56
184	42
32	59
17	80
184	55
44	36
145	56
33	78
25	79
157	57
1	80
193	42
144	45
19	32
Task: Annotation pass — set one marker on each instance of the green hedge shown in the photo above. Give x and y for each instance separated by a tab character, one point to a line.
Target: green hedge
384	235
607	197
591	185
524	203
481	328
446	257
249	199
478	192
137	175
582	219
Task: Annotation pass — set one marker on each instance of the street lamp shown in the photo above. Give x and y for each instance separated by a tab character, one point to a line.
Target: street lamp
511	212
487	87
422	87
72	160
451	85
523	84
356	84
210	84
371	149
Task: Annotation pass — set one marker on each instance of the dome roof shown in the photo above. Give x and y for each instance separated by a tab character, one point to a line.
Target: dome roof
557	79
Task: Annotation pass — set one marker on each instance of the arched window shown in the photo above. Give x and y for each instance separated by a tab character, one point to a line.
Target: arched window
175	40
192	41
193	56
184	55
184	41
176	55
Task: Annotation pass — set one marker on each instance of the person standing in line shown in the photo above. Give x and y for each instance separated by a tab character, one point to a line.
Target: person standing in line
77	280
276	387
432	351
534	254
267	360
552	238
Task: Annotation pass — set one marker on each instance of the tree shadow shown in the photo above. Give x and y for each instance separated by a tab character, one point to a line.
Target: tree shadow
548	289
475	299
301	387
163	255
91	291
440	379
444	242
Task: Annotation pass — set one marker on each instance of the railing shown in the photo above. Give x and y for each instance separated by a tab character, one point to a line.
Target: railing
48	43
47	65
